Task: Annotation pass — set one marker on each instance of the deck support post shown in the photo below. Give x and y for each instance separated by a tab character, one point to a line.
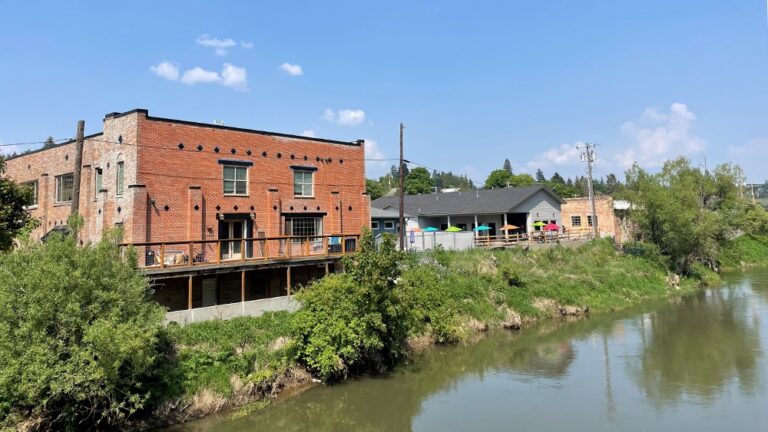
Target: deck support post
242	286
189	293
326	269
288	279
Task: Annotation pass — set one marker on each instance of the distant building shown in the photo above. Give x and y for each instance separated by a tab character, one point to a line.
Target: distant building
520	206
386	221
577	216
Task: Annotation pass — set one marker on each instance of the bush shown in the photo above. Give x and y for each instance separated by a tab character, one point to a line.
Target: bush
78	335
356	320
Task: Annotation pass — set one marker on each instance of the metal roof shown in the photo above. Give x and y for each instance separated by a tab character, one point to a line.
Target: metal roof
480	201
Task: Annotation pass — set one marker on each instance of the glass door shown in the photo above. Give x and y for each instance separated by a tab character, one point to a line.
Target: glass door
232	229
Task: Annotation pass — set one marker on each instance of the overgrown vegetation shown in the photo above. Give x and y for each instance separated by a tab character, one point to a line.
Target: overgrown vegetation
14	218
78	335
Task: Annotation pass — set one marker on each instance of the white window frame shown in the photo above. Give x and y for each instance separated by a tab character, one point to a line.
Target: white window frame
234	180
389	225
58	192
375	225
574	220
119	178
35	190
303	184
303	229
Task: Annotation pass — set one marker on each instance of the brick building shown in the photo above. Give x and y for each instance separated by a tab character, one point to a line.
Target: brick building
201	199
577	216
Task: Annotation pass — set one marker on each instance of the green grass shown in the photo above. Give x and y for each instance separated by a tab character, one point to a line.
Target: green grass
746	249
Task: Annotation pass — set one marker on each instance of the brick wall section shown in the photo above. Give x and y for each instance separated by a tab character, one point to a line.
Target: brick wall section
181	179
190	182
607	222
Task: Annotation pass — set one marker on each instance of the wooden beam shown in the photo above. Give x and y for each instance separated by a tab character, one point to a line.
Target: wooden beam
189	293
288	279
326	269
242	286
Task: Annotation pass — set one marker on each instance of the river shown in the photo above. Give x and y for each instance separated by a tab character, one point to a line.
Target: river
691	364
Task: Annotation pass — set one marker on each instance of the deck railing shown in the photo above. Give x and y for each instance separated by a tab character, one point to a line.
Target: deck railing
503	240
160	255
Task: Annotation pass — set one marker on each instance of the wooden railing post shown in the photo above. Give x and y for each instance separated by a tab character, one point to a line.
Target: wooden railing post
343	245
325	246
162	255
218	251
242	250
191	254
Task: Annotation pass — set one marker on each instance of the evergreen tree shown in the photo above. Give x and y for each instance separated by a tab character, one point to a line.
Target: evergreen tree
557	179
540	176
49	142
507	166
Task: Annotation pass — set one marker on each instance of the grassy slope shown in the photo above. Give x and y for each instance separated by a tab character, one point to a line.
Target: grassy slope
455	287
745	250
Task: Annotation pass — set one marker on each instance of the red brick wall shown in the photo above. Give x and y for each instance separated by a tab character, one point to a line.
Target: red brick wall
172	177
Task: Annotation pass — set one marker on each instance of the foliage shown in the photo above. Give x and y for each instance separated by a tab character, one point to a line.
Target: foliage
418	181
355	320
500	178
374	189
746	249
78	334
14	218
447	179
688	212
507	166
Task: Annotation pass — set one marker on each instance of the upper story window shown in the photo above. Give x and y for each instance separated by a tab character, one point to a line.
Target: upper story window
302	183
575	221
235	180
99	182
33	187
120	178
65	187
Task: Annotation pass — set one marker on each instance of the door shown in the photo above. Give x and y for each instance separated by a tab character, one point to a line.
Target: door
209	292
232	229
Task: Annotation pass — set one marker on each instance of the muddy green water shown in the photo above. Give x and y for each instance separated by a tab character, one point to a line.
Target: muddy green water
695	364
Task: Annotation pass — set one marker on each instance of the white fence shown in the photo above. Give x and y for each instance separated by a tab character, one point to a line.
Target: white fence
422	241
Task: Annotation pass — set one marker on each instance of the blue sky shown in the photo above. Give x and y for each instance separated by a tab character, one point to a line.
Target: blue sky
474	82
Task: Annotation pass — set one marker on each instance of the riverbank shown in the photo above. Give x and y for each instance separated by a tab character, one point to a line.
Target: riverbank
220	365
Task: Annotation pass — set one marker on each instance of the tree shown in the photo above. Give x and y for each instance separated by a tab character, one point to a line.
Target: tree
498	179
540	176
507	166
78	334
611	184
374	189
557	179
418	181
14	217
517	180
49	142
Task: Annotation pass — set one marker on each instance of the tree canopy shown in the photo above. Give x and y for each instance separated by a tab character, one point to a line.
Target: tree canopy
418	181
14	217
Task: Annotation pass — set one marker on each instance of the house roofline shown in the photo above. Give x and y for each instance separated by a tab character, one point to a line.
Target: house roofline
114	115
41	149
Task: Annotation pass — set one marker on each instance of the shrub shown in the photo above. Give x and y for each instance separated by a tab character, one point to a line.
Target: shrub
78	333
356	320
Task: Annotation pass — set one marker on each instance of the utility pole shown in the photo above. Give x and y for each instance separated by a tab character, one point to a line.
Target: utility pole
402	193
588	156
78	168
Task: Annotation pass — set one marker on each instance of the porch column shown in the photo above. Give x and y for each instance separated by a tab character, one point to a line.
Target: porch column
476	225
288	280
189	293
449	221
506	232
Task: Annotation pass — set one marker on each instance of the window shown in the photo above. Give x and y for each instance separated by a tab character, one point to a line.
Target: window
33	187
304	226
302	183
99	179
65	187
235	180
575	221
375	225
589	220
389	225
120	178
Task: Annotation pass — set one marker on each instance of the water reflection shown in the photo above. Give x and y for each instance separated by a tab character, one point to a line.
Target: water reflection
697	347
611	372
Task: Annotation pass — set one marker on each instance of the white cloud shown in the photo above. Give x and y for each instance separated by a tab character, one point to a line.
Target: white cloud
234	77
658	136
292	69
166	69
374	168
752	158
246	44
309	133
200	75
329	115
219	45
348	117
563	155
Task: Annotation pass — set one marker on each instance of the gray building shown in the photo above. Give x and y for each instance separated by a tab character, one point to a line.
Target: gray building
520	206
385	221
